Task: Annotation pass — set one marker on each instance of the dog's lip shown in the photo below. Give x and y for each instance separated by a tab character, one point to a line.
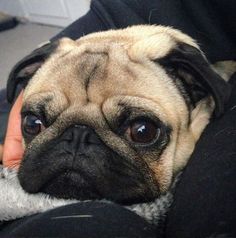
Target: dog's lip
70	173
76	182
54	176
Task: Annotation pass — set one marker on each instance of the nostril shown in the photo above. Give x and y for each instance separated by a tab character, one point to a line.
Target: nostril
85	135
94	139
78	135
67	136
84	138
89	137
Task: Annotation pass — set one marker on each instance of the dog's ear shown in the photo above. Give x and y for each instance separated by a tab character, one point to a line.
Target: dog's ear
23	71
189	67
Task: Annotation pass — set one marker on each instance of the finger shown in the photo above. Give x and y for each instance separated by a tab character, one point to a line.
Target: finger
13	149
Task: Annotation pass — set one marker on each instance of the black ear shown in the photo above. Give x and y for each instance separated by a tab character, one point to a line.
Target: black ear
189	66
23	71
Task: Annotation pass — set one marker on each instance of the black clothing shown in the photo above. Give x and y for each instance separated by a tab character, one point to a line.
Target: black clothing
4	113
212	23
90	219
205	199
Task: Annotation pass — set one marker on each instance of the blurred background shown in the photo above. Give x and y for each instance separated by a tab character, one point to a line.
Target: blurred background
24	24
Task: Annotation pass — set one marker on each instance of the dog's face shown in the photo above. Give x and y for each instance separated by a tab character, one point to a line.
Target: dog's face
115	114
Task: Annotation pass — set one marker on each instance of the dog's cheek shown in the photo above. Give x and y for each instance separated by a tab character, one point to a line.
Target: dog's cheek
162	167
184	148
172	159
188	136
200	117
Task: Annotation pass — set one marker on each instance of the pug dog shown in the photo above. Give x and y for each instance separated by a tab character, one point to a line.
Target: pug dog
115	114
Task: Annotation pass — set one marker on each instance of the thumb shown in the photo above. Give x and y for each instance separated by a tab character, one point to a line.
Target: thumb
13	149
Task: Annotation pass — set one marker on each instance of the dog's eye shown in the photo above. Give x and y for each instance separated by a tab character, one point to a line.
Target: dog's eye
32	125
142	131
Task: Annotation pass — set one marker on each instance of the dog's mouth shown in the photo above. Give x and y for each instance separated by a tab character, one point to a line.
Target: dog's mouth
69	184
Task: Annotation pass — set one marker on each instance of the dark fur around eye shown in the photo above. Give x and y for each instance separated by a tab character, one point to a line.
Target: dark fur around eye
130	115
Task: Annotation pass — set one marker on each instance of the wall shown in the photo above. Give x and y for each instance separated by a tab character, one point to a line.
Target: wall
50	12
12	7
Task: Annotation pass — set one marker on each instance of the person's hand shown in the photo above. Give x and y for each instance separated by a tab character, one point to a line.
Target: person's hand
13	149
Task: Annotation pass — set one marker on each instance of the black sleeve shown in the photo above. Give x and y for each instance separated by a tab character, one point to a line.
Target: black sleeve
212	23
205	199
87	219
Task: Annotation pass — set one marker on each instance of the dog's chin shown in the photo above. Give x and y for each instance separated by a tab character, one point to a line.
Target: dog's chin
69	185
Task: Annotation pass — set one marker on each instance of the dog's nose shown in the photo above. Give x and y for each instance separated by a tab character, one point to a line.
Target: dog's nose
82	134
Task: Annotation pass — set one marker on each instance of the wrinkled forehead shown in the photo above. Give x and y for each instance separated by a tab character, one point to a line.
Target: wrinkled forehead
116	57
101	66
105	61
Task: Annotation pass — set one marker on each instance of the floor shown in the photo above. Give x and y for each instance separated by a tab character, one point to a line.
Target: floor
18	42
